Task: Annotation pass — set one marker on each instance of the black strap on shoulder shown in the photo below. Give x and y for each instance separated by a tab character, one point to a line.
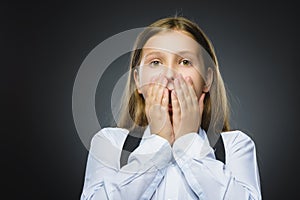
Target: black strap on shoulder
132	141
220	150
134	138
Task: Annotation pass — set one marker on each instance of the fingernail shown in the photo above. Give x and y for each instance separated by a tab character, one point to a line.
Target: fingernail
176	81
165	81
181	78
173	92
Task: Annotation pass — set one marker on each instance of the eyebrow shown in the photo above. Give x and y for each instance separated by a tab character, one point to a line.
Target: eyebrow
152	53
185	52
156	52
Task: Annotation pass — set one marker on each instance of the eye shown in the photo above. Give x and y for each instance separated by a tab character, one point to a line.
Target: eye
155	63
186	62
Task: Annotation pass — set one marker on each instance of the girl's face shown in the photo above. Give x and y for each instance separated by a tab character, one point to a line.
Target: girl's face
170	53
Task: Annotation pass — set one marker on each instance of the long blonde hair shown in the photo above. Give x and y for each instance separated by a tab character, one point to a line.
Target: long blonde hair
132	112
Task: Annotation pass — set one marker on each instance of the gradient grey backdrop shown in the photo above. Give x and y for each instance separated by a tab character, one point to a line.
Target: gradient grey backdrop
43	46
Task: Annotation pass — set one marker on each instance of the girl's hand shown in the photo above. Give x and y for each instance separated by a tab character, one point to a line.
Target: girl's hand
156	107
187	110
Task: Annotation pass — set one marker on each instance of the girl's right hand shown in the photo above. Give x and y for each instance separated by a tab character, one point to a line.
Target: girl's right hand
156	107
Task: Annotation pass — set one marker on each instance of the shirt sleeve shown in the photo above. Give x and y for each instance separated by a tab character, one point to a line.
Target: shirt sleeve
136	180
210	178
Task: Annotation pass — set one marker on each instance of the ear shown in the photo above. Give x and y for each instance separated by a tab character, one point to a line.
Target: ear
209	80
136	80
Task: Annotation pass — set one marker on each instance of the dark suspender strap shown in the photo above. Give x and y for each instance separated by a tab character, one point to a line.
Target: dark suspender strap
132	141
220	150
134	138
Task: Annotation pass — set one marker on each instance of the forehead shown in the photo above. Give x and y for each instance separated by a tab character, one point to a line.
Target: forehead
172	41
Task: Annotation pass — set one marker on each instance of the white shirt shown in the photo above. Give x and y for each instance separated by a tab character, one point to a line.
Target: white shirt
157	170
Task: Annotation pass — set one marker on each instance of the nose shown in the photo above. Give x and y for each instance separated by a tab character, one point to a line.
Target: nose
170	74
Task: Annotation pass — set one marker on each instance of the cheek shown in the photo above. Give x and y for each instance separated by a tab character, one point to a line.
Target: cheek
145	80
197	82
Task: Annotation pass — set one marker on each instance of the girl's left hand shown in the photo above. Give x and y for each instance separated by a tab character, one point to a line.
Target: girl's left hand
187	110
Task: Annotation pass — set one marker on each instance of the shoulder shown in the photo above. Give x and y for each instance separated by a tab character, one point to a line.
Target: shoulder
115	135
237	140
106	146
236	136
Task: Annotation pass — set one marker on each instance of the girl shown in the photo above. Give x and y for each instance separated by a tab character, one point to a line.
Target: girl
173	139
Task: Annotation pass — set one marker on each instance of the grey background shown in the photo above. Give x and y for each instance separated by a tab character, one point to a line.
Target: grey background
43	45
